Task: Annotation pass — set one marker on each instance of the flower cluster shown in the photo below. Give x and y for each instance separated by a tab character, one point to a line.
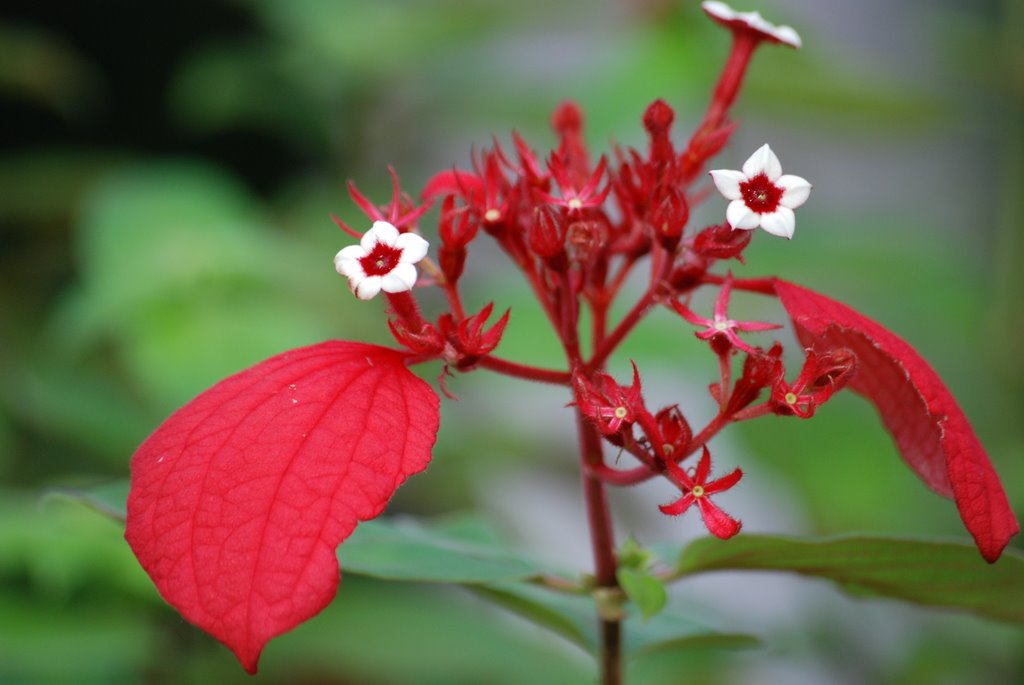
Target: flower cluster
577	228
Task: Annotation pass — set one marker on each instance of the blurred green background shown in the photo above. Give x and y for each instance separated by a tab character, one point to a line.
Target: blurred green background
166	175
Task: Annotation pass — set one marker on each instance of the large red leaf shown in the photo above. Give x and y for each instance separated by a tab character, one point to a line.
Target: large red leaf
240	498
930	429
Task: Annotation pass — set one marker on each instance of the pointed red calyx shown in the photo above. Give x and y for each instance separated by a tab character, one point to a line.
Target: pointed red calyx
611	407
930	430
240	498
467	340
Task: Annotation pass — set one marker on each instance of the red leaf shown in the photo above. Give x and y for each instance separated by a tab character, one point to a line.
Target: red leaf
930	429
240	498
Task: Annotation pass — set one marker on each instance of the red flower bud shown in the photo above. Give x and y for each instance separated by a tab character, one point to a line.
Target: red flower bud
658	121
546	237
669	217
674	432
721	242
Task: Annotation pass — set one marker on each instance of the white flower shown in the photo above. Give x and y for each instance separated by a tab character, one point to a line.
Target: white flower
383	260
752	21
761	195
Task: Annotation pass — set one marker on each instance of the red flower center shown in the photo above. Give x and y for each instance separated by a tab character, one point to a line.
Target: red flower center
760	194
381	260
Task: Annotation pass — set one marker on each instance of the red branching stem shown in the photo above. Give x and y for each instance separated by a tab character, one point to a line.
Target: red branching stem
620	277
598	321
661	263
542	293
619	333
569	316
603	544
525	371
762	286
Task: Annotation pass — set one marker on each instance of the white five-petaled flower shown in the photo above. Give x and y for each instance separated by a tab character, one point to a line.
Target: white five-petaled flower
383	260
761	195
751	21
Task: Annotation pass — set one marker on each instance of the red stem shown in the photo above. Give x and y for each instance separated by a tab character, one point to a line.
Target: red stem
525	371
728	85
762	286
602	542
661	263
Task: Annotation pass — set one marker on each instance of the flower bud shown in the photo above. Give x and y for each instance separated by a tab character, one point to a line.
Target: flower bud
546	238
721	242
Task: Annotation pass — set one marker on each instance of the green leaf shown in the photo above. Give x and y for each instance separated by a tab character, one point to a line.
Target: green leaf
937	574
644	590
574	617
108	499
405	550
709	641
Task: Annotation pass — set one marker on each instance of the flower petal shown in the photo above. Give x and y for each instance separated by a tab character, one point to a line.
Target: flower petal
718	523
723	483
728	182
380	232
346	262
400	279
414	248
679	506
703	467
763	161
781	222
740	216
930	430
719	10
366	288
795	190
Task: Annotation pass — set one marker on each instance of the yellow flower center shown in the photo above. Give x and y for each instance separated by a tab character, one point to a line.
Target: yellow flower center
621	412
492	215
791	398
575	203
698	491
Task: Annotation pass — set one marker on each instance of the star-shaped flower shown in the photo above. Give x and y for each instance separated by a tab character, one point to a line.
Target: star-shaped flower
697	490
751	22
383	260
721	331
761	195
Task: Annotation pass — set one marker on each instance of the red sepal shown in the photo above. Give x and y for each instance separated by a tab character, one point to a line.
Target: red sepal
930	429
240	498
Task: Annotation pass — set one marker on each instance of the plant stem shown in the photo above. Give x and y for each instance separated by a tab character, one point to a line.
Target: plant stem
533	373
603	545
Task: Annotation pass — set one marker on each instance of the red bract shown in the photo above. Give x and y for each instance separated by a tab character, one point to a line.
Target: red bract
240	498
930	429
